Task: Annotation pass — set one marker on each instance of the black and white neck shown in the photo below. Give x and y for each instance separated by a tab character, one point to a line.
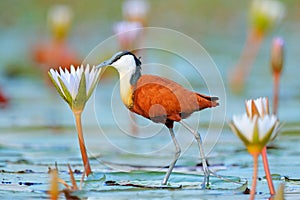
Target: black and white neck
129	68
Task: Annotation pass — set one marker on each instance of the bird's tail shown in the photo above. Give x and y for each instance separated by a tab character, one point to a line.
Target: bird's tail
207	101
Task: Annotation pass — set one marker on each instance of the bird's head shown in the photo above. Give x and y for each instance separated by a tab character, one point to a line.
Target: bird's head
126	63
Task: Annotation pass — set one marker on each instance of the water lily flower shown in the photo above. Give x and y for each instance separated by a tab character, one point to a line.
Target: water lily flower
60	18
256	128
260	107
76	87
266	14
255	132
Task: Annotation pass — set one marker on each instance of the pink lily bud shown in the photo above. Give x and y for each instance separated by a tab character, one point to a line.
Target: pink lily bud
277	55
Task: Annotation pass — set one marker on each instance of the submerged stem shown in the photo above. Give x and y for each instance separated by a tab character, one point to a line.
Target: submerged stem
84	156
254	178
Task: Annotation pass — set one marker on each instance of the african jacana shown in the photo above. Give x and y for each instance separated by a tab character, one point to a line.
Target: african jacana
158	99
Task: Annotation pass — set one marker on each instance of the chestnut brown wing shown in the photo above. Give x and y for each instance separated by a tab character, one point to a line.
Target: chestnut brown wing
159	99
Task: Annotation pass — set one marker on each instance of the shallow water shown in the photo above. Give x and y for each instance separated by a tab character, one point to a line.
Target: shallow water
24	166
37	128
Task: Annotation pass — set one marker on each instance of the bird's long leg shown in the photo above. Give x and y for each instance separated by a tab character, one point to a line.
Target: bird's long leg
177	154
202	154
206	170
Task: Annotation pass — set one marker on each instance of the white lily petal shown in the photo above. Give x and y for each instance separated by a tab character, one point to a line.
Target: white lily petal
87	68
265	124
261	105
93	78
67	76
88	78
58	75
275	131
96	73
55	75
52	72
81	70
249	107
245	125
66	80
248	103
71	79
61	71
72	87
89	75
77	73
72	69
93	73
76	80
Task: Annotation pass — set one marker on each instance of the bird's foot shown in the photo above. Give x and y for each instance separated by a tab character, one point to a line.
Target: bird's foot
223	178
205	183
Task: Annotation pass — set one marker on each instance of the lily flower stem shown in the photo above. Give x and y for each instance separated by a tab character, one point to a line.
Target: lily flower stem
276	77
267	170
84	156
254	178
248	55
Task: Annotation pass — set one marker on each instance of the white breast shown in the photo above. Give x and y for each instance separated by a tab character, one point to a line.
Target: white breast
126	67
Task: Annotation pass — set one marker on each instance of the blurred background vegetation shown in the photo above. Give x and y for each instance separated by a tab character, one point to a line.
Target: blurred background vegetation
220	26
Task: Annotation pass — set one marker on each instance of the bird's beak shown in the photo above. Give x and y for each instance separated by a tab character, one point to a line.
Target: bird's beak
104	64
